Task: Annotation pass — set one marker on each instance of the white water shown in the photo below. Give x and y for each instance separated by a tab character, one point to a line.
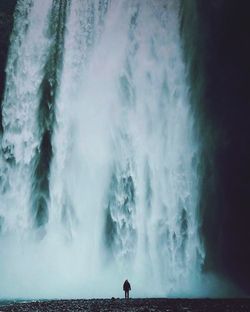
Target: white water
124	160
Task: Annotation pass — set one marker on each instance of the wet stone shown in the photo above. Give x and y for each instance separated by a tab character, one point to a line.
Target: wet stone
131	305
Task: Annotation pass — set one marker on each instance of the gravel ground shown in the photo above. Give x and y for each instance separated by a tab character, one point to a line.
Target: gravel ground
133	305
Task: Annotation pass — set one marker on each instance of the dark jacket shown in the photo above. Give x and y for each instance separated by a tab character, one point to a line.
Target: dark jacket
126	286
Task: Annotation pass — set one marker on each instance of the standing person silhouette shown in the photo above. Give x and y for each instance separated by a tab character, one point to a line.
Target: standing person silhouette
126	288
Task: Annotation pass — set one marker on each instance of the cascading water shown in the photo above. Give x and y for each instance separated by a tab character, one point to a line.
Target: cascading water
99	164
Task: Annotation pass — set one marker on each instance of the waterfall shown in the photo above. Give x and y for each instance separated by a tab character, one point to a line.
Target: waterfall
99	176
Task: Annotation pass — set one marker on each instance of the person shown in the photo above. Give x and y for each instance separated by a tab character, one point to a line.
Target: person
126	288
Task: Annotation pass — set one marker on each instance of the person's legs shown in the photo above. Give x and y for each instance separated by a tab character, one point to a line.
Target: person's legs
128	294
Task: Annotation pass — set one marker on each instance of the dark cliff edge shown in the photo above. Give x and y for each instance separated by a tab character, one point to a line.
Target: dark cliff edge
217	47
6	23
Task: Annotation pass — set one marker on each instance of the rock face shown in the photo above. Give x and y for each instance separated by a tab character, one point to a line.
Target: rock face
5	29
134	305
6	22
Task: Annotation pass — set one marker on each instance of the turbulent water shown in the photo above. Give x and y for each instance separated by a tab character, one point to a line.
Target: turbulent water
99	160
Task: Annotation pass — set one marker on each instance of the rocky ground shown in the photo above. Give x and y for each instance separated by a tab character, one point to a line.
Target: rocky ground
133	305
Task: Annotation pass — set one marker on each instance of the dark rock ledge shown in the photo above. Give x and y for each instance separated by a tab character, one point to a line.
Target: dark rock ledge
133	305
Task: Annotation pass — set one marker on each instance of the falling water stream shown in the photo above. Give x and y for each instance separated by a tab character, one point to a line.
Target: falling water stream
99	158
